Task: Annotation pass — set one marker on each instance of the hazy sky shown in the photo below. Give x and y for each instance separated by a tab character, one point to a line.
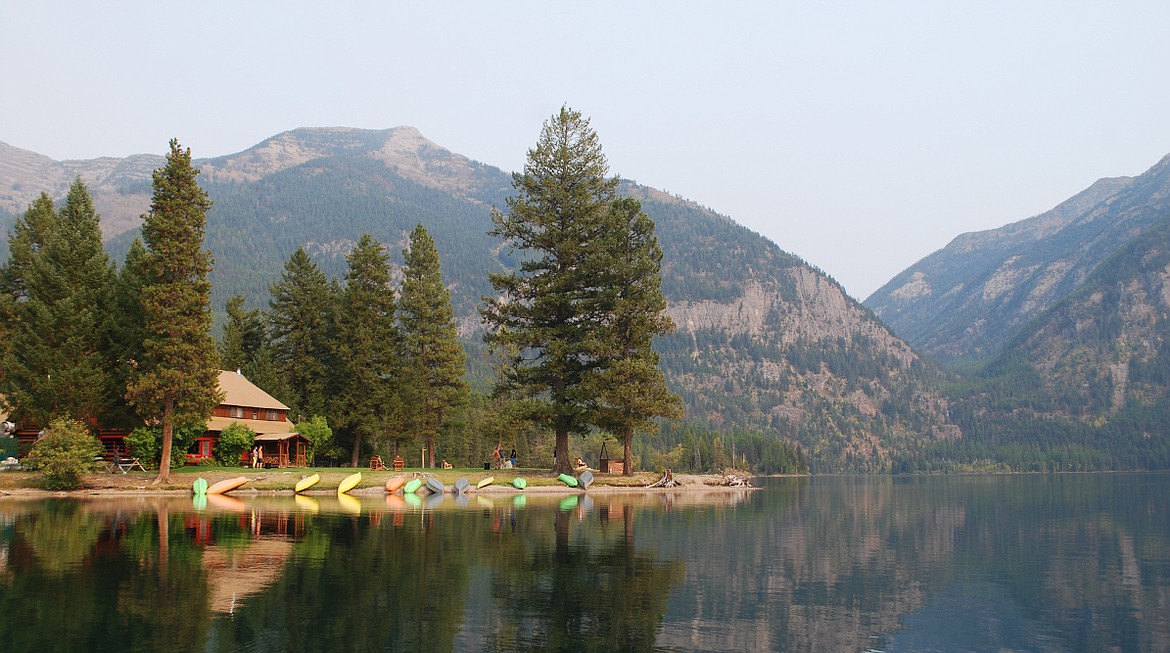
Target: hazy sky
860	136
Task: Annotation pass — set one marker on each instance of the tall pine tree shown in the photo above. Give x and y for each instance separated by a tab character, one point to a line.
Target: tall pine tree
128	335
29	234
301	326
551	311
433	359
56	366
367	343
176	382
630	385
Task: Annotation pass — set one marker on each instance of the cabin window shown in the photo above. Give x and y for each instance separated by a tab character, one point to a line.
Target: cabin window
236	411
271	415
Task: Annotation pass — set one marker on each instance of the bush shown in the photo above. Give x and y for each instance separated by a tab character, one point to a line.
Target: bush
233	441
145	444
319	434
66	453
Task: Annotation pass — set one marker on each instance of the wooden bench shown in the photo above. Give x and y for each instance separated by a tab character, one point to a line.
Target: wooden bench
399	463
376	463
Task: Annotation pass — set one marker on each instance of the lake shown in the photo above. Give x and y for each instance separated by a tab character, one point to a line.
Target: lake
965	563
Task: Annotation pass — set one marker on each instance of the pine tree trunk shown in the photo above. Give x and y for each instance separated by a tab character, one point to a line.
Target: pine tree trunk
561	450
357	449
168	432
628	453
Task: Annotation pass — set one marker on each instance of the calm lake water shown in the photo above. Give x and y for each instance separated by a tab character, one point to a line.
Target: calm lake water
1000	563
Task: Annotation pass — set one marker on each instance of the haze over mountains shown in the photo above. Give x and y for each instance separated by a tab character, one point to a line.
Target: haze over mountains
764	343
968	299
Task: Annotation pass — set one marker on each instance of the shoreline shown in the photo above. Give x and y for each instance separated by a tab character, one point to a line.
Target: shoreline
15	484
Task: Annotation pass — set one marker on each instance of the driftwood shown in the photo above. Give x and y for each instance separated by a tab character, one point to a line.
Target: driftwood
731	480
667	480
726	480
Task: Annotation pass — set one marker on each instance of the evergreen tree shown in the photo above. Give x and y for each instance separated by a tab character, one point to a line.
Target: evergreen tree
301	328
245	347
56	366
631	386
551	310
243	335
367	342
29	234
433	359
178	380
128	334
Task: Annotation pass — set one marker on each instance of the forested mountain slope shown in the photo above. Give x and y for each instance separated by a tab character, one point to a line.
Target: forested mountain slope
967	300
1086	385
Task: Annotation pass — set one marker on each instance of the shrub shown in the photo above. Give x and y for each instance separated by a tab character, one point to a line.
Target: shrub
233	441
145	444
319	434
66	453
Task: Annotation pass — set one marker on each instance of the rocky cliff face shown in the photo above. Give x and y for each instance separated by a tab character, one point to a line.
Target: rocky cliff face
120	187
969	299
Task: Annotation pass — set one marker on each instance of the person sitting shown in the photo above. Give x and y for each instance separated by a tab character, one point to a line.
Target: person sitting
507	463
580	464
446	465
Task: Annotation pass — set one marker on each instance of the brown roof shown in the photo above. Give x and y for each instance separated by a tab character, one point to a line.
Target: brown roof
277	437
238	391
258	426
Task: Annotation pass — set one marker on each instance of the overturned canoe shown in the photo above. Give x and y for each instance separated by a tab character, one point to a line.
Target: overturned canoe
435	485
349	483
568	480
485	482
412	486
519	483
227	485
199	487
586	479
461	485
394	483
307	482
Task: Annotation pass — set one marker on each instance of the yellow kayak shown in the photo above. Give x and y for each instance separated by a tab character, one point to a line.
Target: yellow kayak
349	483
307	482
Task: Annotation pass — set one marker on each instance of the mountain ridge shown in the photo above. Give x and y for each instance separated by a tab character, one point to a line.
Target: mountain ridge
966	300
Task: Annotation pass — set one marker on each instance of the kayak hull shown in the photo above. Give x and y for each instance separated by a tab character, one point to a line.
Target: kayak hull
307	482
349	483
568	480
394	483
227	485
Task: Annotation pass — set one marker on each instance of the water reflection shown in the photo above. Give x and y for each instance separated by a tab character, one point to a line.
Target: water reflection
1065	563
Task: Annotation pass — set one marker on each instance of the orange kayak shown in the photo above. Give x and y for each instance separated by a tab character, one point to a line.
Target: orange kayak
227	485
